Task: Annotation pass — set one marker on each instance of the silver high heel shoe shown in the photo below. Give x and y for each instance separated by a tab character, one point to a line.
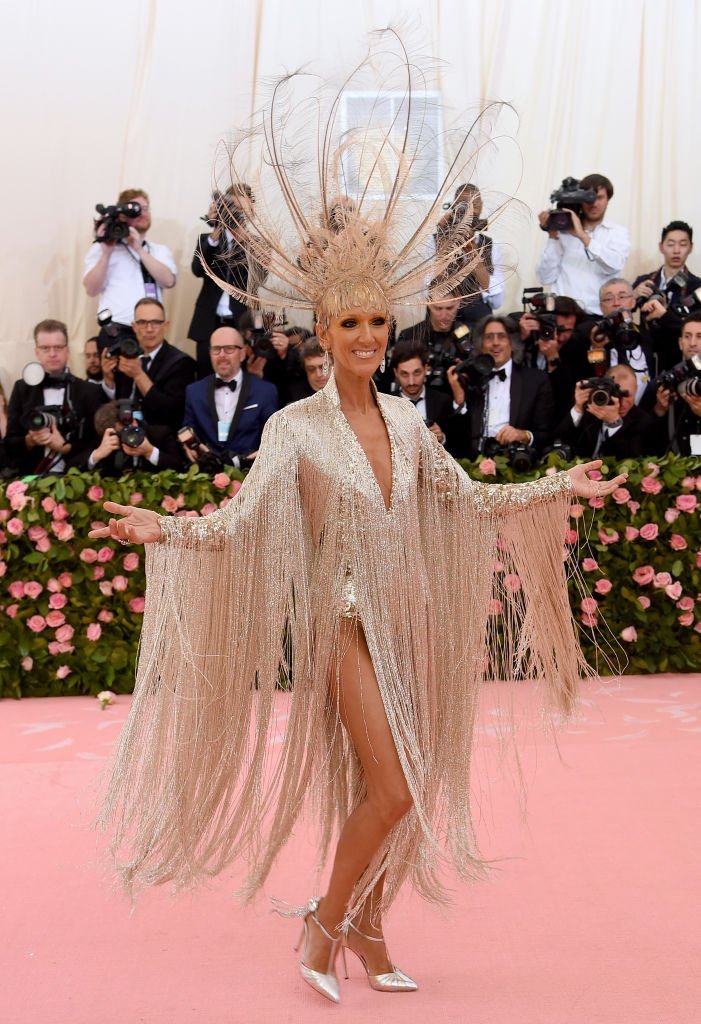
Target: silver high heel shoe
393	981
325	984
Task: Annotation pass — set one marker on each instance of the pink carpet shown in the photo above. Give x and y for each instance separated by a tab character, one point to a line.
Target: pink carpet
592	916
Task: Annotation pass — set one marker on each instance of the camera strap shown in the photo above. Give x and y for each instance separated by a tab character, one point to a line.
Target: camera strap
151	290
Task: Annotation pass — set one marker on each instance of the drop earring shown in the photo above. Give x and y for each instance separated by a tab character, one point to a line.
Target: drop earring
382	365
326	365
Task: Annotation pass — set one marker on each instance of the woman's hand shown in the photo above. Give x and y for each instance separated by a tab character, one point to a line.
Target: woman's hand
137	525
583	487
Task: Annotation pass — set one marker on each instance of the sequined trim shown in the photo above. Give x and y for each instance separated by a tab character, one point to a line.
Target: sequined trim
349	604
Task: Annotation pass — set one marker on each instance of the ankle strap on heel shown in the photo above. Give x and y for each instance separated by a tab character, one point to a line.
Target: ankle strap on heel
370	938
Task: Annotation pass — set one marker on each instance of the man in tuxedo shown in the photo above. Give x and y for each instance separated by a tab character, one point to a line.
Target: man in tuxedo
620	429
409	365
154	381
222	253
154	449
677	412
228	410
512	406
675	282
46	448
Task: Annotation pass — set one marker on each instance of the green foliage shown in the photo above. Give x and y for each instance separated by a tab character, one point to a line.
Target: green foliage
77	585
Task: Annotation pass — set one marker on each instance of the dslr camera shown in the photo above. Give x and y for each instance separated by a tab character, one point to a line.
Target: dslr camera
458	211
44	417
261	340
603	389
475	371
618	327
684	379
569	196
130	433
520	457
442	355
121	338
542	306
112	220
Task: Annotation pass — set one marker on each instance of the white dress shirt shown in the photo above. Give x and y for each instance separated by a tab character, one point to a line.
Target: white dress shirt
498	401
227	400
124	282
54	396
577	271
223	307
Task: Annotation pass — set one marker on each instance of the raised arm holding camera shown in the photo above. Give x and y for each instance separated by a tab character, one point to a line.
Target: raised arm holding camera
583	249
675	397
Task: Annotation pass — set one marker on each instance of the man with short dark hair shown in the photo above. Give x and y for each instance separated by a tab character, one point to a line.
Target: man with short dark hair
153	448
91	354
678	411
316	375
443	334
65	428
577	262
409	364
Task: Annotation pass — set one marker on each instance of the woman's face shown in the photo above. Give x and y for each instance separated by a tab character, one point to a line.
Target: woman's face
357	339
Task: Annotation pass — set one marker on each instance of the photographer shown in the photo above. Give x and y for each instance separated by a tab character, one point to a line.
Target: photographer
316	376
225	413
284	367
674	283
605	421
675	399
509	405
545	330
445	336
221	252
577	261
51	420
93	366
124	271
409	365
128	445
482	291
150	372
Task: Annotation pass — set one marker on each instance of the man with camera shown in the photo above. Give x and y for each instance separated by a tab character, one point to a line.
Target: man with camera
409	365
507	405
148	370
670	293
121	267
675	397
225	413
578	259
128	445
221	252
445	336
50	413
545	327
605	421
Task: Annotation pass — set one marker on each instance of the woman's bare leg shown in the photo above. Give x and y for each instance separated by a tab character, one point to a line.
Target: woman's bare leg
388	799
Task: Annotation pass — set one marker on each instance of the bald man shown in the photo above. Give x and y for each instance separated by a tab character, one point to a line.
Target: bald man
228	410
619	429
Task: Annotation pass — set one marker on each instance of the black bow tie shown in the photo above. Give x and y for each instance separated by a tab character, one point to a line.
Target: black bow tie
219	383
501	374
54	380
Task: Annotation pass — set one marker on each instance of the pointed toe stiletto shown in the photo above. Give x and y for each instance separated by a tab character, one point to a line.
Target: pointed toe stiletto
392	981
326	984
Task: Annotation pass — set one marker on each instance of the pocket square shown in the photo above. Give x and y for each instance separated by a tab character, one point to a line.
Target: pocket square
254	406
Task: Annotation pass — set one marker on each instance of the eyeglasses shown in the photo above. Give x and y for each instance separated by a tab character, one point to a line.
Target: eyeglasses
148	323
226	349
51	348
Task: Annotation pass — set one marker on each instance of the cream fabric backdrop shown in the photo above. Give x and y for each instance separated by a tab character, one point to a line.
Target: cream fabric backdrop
100	96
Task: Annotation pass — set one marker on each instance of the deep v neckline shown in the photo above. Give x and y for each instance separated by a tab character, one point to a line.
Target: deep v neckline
332	392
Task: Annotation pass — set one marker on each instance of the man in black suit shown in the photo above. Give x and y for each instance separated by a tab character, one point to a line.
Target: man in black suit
675	406
512	406
409	366
155	380
69	428
619	429
675	282
155	447
221	252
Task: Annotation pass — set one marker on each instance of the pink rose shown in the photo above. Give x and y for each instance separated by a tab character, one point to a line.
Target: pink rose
43	545
27	663
32	589
94	631
621	495
120	583
649	531
235	487
53	585
36	623
576	511
698	559
697	627
488	467
98	572
62	531
632	533
105	616
643	575
18	502
671	514
512	582
588	605
95	493
135	497
209	507
608	536
677	542
58	601
634	507
64	633
15	487
589	619
224	502
88	555
596	502
189	514
629	634
15	527
16	589
644	601
220	480
497	566
674	590
62	671
137	604
689	482
571	536
650	485
56	648
106	588
55	619
60	512
494	607
590	565
684	502
686	604
3	569
105	554
662	579
654	469
4	514
11	611
48	504
65	579
169	504
603	586
131	561
686	619
36	532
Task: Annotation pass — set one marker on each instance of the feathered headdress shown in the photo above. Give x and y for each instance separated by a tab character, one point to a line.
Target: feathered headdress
331	218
